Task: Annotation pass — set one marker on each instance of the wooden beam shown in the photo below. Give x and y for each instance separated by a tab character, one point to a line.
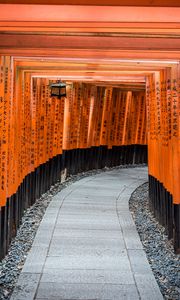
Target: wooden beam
115	75
113	26
50	13
98	66
95	54
98	2
90	30
128	77
13	41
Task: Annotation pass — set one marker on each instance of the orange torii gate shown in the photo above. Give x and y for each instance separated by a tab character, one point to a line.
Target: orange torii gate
107	54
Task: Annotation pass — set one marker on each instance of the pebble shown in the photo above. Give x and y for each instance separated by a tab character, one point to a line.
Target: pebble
160	253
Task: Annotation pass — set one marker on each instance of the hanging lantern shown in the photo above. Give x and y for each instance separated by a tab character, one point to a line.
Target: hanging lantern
58	89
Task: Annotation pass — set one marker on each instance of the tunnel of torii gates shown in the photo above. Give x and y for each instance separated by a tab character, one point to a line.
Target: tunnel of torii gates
121	66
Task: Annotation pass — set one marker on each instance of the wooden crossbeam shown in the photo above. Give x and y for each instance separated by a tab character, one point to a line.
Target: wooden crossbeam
98	2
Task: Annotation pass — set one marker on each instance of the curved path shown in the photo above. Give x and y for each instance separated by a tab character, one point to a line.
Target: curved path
87	246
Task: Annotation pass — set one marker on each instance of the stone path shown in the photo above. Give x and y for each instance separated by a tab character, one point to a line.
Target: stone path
87	246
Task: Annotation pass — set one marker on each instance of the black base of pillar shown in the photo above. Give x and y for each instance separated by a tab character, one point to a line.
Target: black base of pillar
167	213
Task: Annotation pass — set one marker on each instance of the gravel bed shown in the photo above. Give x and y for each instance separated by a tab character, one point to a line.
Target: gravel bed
12	264
159	250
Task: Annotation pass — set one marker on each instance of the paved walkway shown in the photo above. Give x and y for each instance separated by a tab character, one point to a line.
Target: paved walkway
87	246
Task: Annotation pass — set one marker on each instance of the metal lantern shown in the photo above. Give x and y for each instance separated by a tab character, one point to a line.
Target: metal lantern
58	90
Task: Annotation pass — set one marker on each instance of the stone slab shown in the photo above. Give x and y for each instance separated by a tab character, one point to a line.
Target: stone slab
87	276
98	261
86	247
87	242
86	291
132	239
88	224
96	234
148	287
139	262
35	260
26	287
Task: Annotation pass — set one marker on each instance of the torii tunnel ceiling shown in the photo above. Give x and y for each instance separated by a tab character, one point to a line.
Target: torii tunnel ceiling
127	45
94	43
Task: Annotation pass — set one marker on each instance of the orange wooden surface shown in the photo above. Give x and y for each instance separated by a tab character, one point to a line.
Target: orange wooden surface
37	127
163	129
94	48
90	13
98	2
